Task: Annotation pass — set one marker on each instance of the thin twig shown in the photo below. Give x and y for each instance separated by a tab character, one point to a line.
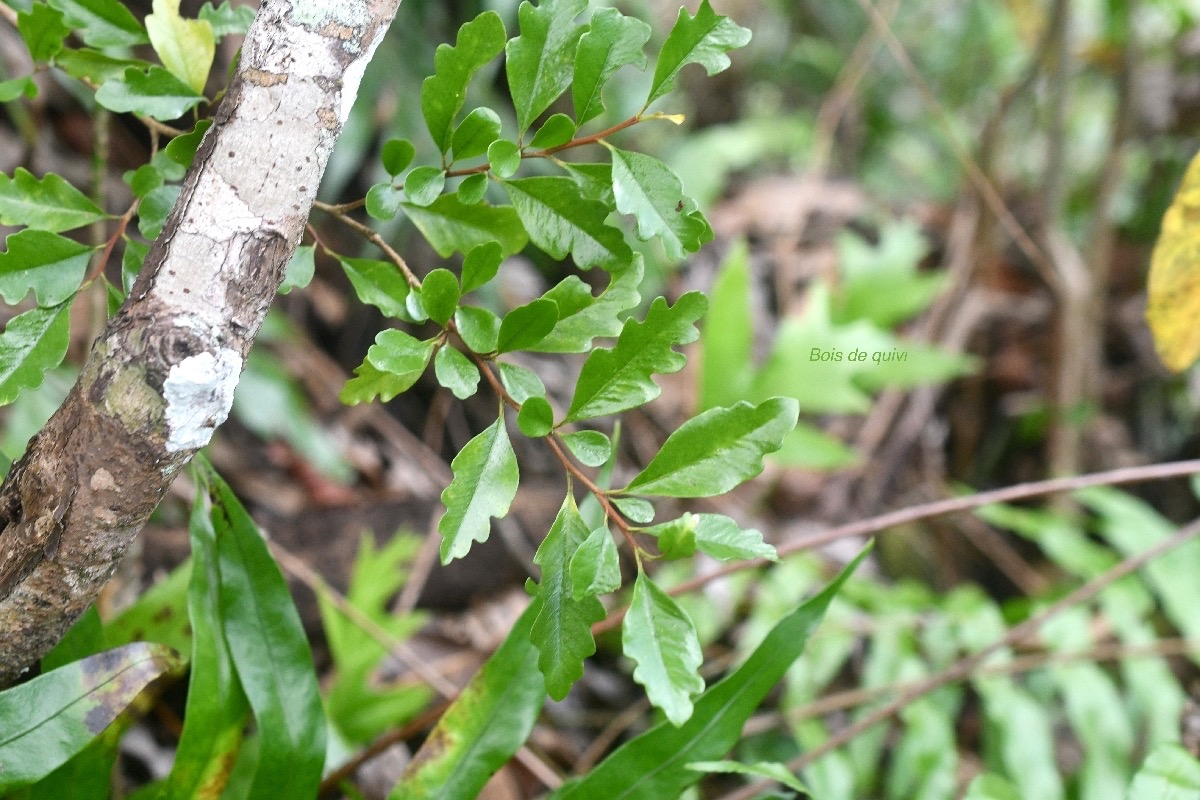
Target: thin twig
935	509
373	237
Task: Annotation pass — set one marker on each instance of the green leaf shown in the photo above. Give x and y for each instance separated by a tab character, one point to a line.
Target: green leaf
526	325
717	450
1170	773
582	317
882	282
635	508
300	269
451	226
484	727
153	210
401	355
661	638
160	614
227	18
153	91
182	149
703	39
484	485
722	538
186	46
592	448
102	23
562	632
384	201
378	283
772	770
12	89
647	189
50	204
31	344
270	653
653	765
481	265
727	336
43	30
94	66
595	567
473	189
440	294
48	264
540	62
216	706
990	786
594	180
424	184
370	382
619	379
677	538
47	720
478	327
504	157
612	41
143	180
84	638
456	372
536	417
555	131
561	221
443	93
475	133
396	155
521	383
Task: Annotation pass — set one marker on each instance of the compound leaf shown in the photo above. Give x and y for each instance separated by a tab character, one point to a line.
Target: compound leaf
582	317
484	484
562	631
619	379
703	39
717	450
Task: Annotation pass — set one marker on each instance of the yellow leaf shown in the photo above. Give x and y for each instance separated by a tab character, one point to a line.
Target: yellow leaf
185	46
1173	307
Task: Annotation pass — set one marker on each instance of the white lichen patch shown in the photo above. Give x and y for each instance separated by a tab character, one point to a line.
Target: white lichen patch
199	393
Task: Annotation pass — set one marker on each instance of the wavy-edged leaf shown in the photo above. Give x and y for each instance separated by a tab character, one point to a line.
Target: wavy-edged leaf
216	705
379	284
399	354
456	372
49	204
654	765
32	343
43	30
703	39
595	567
560	220
526	325
227	18
450	225
49	265
153	91
484	726
717	450
443	92
618	379
270	653
185	46
540	62
370	382
102	23
484	485
46	721
652	193
661	638
562	632
582	317
92	65
612	41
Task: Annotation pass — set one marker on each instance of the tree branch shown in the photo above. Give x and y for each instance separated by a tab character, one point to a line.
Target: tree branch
160	378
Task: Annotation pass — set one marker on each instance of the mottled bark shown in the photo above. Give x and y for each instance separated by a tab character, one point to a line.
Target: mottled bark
161	376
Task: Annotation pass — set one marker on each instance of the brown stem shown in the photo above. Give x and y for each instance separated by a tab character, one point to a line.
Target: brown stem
373	237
